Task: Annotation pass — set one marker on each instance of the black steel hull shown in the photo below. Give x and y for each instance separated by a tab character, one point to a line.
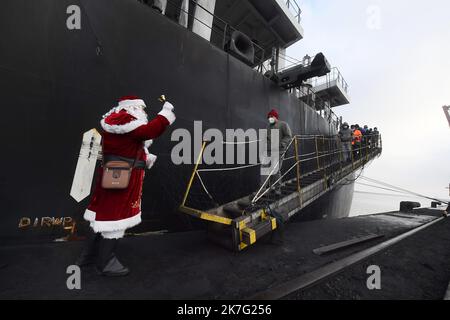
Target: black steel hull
56	83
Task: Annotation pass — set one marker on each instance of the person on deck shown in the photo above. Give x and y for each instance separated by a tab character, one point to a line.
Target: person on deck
357	139
365	138
126	134
375	137
345	136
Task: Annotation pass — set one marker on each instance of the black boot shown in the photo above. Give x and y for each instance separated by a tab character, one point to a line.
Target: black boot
108	264
90	250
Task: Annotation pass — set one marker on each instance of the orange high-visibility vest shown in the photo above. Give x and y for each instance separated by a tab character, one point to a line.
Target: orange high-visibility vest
357	136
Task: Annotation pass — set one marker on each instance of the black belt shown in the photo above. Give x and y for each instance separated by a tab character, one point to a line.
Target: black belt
139	164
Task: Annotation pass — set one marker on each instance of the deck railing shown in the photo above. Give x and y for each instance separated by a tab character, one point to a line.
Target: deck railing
295	9
334	75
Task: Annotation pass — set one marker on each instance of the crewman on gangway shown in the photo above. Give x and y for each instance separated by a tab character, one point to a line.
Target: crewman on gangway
285	137
345	136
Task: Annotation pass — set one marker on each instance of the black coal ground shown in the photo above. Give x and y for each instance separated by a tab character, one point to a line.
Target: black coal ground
187	266
418	268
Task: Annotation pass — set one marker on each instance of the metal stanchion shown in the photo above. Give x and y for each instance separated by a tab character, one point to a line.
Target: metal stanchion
191	180
297	159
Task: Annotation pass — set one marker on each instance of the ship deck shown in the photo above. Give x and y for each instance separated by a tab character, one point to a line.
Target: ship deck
187	266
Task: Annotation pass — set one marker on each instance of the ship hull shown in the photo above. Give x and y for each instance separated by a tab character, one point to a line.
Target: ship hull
58	82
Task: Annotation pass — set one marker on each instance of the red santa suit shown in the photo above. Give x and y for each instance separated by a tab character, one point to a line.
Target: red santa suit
126	133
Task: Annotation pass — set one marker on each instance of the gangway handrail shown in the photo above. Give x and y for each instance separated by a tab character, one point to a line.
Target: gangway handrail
372	149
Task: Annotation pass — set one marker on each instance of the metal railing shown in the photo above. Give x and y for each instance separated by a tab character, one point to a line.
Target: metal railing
221	30
308	96
294	8
291	62
334	76
329	162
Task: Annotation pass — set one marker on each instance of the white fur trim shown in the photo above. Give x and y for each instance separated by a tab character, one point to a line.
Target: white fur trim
125	128
113	234
135	110
108	226
89	216
132	103
167	112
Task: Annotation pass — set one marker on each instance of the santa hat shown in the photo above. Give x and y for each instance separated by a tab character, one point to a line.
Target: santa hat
126	116
273	114
130	101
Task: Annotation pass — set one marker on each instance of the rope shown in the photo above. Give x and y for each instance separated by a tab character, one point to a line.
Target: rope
404	190
275	183
237	143
229	169
204	188
273	170
377	187
260	194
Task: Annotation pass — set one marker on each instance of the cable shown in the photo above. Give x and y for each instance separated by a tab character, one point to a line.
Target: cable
206	190
264	191
404	190
377	187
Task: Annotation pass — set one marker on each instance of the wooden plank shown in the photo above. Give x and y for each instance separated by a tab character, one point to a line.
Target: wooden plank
87	160
345	244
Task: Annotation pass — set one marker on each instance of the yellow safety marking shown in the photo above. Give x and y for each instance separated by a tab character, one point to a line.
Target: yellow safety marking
263	215
214	218
206	216
242	246
242	225
274	223
251	233
191	180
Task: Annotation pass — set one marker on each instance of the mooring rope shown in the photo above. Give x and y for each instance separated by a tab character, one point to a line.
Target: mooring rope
404	190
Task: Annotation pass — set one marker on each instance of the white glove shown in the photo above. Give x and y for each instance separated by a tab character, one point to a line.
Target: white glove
167	112
148	143
151	159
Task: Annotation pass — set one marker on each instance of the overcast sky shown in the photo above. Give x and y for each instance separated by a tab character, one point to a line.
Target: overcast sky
397	65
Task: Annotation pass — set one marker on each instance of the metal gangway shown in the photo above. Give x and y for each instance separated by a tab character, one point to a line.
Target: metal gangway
242	222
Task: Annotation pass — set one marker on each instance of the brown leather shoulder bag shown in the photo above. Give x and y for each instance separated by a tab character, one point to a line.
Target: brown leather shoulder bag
117	173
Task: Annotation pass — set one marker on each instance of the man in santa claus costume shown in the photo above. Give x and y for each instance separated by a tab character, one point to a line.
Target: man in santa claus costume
126	136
